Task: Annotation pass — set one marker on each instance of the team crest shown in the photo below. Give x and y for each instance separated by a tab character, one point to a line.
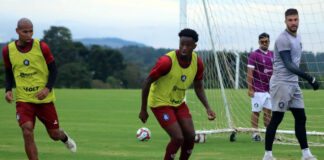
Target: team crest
256	105
183	78
281	105
166	116
26	62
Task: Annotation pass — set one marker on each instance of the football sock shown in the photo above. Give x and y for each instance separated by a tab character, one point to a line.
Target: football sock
300	129
64	139
271	129
171	150
186	149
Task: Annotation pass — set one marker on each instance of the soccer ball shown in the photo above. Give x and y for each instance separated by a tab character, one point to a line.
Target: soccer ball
200	138
143	134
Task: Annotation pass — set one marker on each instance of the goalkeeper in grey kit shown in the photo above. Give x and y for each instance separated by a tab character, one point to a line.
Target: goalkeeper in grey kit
284	89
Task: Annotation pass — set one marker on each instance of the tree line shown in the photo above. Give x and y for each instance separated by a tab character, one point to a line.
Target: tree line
95	66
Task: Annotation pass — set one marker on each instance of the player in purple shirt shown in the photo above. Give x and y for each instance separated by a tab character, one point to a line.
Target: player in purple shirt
259	73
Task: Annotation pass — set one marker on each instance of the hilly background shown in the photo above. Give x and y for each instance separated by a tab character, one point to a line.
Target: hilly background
109	42
116	63
107	62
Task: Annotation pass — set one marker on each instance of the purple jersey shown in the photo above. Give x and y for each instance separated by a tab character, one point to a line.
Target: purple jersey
261	62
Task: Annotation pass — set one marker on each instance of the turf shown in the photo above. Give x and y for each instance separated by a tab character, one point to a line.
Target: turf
104	125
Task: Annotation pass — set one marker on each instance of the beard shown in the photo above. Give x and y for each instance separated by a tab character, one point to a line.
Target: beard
293	30
264	48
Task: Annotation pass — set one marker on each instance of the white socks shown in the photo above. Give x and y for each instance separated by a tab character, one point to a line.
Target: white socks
306	153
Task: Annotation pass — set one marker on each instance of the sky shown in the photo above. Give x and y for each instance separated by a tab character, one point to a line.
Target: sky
235	24
152	22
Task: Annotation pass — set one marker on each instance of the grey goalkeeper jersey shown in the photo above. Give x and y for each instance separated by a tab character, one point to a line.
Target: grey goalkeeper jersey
286	41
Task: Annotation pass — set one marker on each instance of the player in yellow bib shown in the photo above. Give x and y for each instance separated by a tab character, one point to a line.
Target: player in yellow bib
30	64
164	91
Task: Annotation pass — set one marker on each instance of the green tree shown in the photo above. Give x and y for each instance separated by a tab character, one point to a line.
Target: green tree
73	75
145	57
62	47
132	76
114	82
105	62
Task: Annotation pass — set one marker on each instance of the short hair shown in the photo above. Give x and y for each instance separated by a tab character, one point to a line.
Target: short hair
187	32
291	11
23	21
264	35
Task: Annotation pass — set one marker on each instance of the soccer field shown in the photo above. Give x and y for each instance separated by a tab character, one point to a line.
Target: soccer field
104	123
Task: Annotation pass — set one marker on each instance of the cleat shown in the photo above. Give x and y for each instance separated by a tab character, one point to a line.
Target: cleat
269	157
309	158
70	144
276	140
256	138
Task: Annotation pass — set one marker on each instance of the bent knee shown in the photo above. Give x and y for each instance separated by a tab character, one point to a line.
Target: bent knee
190	137
178	139
55	135
28	132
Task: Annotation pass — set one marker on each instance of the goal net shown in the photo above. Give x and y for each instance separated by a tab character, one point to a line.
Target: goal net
228	32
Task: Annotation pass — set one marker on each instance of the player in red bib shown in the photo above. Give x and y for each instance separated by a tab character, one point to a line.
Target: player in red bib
164	91
30	64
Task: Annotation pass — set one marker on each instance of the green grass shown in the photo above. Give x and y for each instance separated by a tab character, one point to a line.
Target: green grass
104	125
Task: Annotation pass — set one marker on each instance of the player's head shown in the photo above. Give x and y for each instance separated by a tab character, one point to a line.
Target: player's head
188	39
292	19
25	30
264	41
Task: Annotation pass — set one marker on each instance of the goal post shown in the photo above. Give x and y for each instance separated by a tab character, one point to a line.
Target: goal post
228	33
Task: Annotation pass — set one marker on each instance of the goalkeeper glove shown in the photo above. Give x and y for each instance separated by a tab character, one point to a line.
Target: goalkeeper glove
314	83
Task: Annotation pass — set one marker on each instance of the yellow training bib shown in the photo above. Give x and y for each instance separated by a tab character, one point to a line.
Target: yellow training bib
30	72
169	90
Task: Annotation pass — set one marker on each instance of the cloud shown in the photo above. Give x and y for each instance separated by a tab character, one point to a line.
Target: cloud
128	19
235	23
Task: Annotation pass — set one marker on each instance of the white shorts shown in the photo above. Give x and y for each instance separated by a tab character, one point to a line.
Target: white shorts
260	100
